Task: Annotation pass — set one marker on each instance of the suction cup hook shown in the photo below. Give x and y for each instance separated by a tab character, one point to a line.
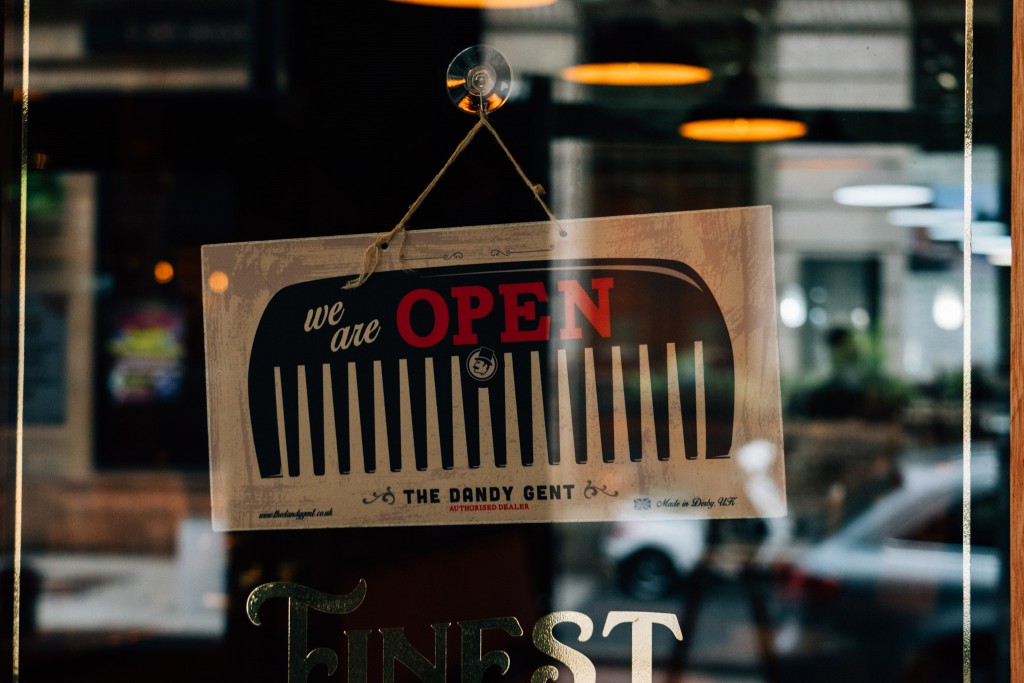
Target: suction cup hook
479	80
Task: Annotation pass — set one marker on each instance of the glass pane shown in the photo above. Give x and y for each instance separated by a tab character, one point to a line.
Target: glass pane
156	128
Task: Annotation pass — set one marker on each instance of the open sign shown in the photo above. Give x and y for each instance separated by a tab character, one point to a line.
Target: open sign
611	375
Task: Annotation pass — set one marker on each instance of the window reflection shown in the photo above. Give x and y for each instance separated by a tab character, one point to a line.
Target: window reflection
155	130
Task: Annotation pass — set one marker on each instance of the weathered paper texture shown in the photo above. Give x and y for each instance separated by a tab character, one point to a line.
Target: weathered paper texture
497	374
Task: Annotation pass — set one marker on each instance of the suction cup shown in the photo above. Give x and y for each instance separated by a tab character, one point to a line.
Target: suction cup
479	79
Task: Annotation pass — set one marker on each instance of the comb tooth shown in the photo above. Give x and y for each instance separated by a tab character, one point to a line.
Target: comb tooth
620	420
306	457
282	440
432	430
460	451
593	416
408	451
513	452
540	432
382	451
331	454
355	429
702	423
648	447
511	420
676	444
565	440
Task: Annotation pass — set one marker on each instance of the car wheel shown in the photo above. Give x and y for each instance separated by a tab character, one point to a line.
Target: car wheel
648	574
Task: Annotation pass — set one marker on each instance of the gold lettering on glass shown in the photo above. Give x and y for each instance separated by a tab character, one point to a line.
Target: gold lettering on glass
398	649
300	600
474	663
579	665
643	632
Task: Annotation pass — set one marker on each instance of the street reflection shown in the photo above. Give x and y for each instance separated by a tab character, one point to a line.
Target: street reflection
878	599
180	594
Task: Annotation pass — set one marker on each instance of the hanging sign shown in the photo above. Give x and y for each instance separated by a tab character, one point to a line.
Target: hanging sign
497	374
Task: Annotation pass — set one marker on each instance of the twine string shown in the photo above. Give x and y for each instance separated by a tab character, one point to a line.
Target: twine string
374	253
537	189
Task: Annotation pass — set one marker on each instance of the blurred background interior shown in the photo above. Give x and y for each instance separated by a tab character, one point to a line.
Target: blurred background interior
156	127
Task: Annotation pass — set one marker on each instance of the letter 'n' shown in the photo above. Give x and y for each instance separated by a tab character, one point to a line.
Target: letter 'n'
398	649
597	313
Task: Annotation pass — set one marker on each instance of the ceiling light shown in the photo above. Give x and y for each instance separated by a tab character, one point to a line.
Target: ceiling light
163	272
948	309
479	4
860	318
924	218
737	116
636	73
793	307
954	231
636	52
743	129
944	225
991	245
218	282
1004	259
881	196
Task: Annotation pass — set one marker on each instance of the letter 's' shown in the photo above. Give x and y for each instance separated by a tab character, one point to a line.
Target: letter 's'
580	666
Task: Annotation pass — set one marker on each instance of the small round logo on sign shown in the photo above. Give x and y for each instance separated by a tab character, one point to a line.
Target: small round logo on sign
482	364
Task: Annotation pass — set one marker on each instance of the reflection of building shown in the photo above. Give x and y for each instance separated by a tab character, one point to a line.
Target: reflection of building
881	73
155	129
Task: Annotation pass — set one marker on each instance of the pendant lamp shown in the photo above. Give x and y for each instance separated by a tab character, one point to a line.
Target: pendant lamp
738	116
636	52
479	4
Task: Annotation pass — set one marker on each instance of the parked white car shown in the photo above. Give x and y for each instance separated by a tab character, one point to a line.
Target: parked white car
651	558
881	600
